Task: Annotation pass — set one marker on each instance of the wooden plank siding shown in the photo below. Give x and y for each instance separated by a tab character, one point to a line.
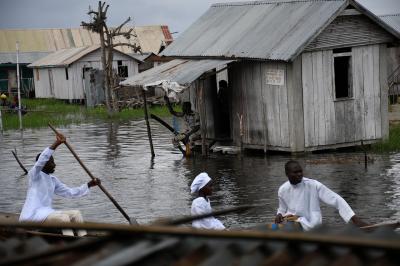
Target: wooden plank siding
73	88
329	121
295	106
384	88
264	107
347	31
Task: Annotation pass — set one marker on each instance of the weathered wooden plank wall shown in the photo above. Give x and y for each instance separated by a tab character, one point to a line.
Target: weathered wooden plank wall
210	98
264	107
73	88
42	88
363	116
383	62
295	105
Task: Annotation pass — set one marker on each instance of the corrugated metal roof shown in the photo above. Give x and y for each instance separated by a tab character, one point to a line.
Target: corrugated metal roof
181	71
65	57
150	38
140	57
260	30
392	20
24	58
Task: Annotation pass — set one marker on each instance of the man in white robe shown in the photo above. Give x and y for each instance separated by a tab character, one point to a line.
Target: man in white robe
42	187
202	184
299	199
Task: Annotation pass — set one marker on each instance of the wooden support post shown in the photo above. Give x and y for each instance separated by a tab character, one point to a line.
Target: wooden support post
146	116
202	119
365	155
1	121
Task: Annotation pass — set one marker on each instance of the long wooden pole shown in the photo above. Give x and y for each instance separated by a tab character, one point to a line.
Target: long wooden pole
146	116
19	162
165	124
19	88
93	178
1	120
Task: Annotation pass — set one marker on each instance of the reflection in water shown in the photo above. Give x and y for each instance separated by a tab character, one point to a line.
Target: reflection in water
148	189
393	174
113	145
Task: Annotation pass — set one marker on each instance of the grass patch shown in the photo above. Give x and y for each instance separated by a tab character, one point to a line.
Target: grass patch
392	144
59	113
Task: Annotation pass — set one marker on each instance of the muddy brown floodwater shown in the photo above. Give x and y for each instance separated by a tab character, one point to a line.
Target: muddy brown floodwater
147	190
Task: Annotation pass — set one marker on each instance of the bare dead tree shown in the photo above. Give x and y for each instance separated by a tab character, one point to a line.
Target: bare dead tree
98	24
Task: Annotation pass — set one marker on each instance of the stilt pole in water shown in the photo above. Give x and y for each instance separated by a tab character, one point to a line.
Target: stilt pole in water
365	155
1	121
19	88
146	116
203	123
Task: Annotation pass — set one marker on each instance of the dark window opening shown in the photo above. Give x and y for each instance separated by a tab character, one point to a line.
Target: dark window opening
119	62
123	71
84	70
343	77
66	73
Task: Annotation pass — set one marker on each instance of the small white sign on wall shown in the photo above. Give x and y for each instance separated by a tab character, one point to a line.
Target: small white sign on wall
275	77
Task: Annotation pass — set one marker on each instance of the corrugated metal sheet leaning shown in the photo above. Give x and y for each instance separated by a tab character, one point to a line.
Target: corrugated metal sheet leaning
173	76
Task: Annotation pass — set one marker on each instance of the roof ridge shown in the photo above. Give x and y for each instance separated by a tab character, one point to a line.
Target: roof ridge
389	15
269	2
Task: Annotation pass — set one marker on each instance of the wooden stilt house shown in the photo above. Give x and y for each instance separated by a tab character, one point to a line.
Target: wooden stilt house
302	75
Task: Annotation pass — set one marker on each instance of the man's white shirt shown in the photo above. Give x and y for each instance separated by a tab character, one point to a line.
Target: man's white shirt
41	190
303	199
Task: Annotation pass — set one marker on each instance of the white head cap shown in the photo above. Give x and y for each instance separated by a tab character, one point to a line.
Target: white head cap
199	182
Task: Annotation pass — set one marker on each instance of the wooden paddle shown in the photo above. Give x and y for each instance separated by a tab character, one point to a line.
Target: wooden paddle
393	225
93	178
19	162
187	219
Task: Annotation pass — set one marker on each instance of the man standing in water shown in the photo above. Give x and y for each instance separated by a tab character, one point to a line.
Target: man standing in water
299	200
192	123
43	186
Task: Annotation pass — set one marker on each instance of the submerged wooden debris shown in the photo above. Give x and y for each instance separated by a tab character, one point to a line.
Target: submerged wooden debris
168	245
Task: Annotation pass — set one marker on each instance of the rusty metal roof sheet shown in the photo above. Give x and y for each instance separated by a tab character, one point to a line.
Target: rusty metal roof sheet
24	58
182	71
150	38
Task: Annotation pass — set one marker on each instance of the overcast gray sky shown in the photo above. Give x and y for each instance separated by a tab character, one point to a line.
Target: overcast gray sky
177	14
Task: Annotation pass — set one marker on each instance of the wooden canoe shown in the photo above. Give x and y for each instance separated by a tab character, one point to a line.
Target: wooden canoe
49	235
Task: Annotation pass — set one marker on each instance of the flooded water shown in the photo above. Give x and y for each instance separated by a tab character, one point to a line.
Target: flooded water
119	155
